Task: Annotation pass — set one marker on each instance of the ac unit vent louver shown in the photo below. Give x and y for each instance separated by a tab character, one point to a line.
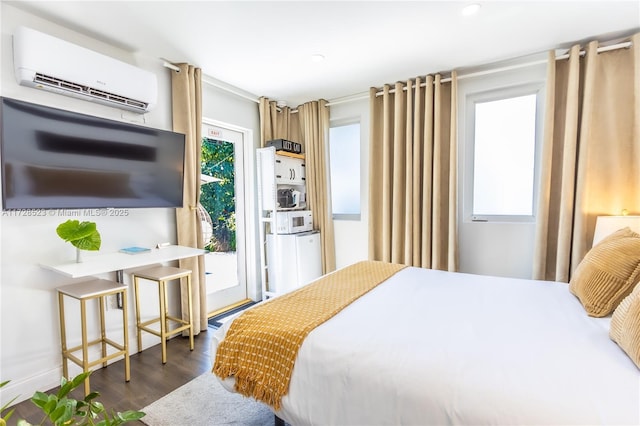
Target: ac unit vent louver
48	63
90	91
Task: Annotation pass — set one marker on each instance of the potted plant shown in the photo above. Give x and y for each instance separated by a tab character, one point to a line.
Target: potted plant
82	235
59	409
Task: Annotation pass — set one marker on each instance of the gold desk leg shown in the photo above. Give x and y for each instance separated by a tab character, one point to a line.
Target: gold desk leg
136	296
103	334
85	347
63	336
162	293
190	307
127	367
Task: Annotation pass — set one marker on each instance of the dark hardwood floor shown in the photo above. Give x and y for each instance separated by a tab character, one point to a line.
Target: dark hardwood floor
150	379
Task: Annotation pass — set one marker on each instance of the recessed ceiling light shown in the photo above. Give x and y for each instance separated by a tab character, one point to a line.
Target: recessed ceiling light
471	9
317	57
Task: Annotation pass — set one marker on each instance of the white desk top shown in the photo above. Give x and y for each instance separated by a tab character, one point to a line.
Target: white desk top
109	262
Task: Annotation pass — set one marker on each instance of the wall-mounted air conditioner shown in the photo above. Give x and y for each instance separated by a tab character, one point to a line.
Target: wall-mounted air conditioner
45	62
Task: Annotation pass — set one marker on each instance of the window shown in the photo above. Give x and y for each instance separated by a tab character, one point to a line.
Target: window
504	135
344	154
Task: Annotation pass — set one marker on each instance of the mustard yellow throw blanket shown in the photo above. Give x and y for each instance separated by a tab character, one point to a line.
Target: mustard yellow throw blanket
261	345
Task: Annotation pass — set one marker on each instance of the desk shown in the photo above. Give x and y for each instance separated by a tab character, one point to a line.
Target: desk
103	263
110	262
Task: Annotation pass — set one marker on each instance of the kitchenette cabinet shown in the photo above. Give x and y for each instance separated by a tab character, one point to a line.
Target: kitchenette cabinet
289	248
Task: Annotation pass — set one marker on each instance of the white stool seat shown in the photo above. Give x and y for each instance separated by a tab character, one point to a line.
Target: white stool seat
164	273
94	288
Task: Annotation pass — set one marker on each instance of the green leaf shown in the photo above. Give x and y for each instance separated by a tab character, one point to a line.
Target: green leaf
92	242
131	415
72	230
65	389
64	412
10	413
79	379
83	235
40	399
50	405
97	407
5	406
91	396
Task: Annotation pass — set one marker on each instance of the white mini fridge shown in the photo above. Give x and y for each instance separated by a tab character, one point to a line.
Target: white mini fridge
293	260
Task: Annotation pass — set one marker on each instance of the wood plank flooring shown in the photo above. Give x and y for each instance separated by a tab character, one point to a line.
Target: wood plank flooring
150	379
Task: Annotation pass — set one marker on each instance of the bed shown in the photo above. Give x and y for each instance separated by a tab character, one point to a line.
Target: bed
434	347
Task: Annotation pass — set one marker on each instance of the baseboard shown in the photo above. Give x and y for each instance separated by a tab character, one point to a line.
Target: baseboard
25	388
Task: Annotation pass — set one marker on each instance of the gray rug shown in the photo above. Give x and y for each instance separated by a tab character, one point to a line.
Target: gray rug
204	402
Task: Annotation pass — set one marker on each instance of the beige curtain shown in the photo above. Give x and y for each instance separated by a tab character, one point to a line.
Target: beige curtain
310	127
278	123
314	123
591	152
186	92
413	174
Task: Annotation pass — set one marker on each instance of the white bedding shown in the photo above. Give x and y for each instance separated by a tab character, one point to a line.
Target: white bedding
433	347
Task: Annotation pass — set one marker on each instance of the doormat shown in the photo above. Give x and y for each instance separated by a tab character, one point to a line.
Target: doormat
218	320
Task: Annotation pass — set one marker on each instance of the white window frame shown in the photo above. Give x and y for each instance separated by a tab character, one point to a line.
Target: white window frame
339	123
496	94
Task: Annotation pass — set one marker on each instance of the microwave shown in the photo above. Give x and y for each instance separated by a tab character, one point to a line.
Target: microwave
292	222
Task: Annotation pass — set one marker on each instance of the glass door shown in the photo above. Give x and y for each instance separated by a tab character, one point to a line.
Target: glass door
222	215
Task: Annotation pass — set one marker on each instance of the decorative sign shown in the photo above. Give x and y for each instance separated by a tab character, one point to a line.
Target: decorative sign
215	133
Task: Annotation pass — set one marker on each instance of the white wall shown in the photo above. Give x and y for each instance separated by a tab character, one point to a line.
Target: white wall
29	330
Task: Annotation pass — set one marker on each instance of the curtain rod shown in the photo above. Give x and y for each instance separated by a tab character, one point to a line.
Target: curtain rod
228	89
365	95
624	45
210	82
350	98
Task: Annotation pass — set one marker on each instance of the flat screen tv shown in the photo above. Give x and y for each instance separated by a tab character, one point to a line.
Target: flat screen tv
57	159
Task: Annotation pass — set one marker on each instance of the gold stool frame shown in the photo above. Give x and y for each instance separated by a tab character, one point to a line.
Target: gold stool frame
161	275
83	292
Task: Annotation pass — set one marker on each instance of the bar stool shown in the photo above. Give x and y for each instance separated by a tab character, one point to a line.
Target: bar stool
161	275
83	292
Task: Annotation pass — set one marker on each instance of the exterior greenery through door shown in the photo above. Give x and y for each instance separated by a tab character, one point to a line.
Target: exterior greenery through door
218	197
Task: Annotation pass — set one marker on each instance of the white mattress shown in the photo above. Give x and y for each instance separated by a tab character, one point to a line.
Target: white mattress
433	347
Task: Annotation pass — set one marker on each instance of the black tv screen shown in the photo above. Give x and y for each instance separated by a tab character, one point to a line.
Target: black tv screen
57	159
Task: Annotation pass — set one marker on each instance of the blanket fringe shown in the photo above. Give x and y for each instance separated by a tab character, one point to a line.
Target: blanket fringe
251	385
260	392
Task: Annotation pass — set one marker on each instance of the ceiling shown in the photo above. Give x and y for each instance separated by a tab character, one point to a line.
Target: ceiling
265	47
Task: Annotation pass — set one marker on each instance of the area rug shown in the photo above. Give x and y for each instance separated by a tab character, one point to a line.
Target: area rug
204	402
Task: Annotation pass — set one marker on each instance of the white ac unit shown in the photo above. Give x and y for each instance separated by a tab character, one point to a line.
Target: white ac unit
45	62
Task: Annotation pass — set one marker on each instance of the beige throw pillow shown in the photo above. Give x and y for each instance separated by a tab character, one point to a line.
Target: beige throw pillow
608	273
625	325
